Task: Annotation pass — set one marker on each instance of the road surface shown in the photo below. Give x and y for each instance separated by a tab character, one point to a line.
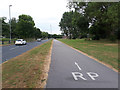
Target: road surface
12	51
71	69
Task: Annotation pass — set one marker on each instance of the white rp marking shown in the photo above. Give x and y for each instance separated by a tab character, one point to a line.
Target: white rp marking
92	75
77	74
78	66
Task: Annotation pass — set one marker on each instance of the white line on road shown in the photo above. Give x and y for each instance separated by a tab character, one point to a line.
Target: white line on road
13	48
78	66
16	47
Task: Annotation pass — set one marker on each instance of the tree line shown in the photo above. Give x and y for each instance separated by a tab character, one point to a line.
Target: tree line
24	27
91	19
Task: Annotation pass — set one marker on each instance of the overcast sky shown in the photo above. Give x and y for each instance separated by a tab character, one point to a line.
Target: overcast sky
44	12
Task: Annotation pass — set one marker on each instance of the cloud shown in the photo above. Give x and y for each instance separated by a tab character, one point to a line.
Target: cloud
44	12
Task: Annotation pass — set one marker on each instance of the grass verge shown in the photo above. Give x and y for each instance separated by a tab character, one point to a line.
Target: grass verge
104	51
28	70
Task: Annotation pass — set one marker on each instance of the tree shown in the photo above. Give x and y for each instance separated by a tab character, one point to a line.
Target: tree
113	21
97	14
5	28
80	24
37	33
25	27
103	17
44	34
13	27
74	24
56	36
66	24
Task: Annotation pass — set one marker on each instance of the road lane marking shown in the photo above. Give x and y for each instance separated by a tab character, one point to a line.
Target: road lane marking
78	66
13	48
16	47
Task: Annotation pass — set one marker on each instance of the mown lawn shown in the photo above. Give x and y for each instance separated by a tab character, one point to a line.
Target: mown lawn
103	50
27	70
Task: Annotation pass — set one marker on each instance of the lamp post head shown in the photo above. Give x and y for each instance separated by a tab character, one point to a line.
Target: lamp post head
10	5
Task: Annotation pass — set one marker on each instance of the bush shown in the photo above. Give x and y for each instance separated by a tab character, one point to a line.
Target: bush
95	38
112	38
87	39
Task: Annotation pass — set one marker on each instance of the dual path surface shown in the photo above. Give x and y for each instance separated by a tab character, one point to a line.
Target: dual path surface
71	69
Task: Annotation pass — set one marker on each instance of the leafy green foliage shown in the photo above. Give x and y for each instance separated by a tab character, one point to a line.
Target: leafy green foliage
5	27
102	17
73	24
56	36
44	34
13	27
24	27
37	33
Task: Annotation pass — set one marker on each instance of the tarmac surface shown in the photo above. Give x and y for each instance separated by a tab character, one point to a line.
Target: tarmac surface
71	69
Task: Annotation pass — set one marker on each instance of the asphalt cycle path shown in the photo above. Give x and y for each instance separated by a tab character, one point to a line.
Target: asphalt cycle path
71	69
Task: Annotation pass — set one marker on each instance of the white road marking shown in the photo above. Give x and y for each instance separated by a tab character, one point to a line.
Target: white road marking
13	48
77	75
92	75
78	66
16	47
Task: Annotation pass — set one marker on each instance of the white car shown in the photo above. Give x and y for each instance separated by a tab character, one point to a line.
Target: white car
39	39
20	42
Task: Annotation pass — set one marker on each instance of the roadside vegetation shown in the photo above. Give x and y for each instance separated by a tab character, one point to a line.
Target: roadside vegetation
96	20
103	50
21	28
6	41
28	70
98	23
24	28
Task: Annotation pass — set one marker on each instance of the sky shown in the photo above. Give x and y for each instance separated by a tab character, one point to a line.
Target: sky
45	13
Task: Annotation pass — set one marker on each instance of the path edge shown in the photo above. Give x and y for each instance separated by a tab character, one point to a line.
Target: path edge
107	65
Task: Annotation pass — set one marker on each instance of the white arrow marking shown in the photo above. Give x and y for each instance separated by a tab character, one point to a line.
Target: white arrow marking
78	66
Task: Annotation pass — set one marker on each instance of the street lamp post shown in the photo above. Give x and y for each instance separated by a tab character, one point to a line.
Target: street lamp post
10	21
51	28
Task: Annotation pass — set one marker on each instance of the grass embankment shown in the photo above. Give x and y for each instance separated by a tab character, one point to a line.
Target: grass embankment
104	51
6	41
28	70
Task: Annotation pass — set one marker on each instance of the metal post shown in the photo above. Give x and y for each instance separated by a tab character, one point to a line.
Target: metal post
51	28
10	21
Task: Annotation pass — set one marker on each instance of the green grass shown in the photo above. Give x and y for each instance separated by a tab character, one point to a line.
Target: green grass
7	39
26	70
103	50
